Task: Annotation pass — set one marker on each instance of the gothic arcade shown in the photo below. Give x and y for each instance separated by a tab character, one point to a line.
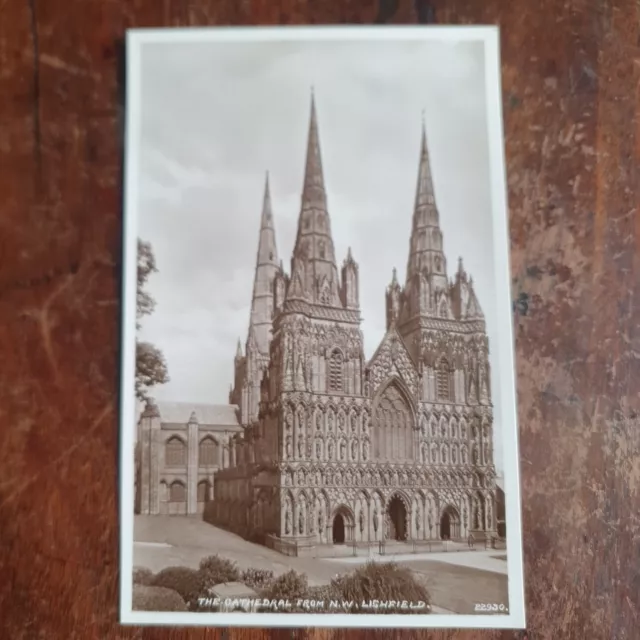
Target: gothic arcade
336	449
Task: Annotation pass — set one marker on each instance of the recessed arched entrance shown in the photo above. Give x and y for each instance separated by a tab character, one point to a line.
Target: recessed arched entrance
397	519
449	524
338	529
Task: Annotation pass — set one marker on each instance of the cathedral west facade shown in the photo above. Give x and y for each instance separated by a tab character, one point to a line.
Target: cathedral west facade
335	448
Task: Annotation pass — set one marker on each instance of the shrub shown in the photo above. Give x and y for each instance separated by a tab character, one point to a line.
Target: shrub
187	582
143	576
216	570
257	578
381	581
147	598
289	586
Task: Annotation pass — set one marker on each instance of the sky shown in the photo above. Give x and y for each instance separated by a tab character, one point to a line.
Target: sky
216	116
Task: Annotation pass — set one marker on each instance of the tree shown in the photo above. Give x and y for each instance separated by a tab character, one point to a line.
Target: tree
151	367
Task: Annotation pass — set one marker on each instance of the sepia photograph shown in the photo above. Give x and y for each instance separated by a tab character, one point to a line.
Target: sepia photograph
318	415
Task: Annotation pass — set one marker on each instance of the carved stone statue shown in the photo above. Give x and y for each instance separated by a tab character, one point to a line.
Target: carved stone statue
354	450
343	450
289	448
318	449
287	522
301	522
318	421
354	422
361	520
365	451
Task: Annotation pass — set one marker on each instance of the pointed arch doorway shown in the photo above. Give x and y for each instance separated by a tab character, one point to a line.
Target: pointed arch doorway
338	529
449	524
397	519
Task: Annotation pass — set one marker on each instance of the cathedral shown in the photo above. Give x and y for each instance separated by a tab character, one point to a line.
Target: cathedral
330	448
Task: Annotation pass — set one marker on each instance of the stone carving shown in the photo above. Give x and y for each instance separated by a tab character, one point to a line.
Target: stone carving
320	427
287	522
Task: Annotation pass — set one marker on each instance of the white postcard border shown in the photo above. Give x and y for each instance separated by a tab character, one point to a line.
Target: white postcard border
489	35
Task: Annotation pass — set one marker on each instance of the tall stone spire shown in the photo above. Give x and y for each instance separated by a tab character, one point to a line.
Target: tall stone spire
425	250
266	266
314	274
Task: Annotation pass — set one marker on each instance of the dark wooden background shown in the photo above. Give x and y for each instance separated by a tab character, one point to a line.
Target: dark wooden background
571	72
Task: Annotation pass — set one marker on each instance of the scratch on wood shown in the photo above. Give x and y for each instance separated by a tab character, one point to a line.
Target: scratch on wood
42	317
36	91
65	454
56	63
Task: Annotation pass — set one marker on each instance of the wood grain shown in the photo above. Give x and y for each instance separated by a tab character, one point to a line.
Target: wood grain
571	74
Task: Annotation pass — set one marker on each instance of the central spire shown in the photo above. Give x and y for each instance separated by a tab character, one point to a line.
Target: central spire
425	251
313	189
314	274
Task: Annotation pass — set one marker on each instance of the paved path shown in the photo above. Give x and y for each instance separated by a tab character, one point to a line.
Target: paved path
482	560
456	580
191	539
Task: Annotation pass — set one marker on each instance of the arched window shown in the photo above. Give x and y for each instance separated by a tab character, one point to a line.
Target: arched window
177	492
204	491
208	452
393	426
443	310
335	371
175	453
442	379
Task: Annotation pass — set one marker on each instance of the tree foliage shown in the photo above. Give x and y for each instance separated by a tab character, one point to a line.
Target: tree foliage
151	367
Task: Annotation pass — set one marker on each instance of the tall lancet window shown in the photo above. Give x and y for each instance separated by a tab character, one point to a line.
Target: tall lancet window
335	378
443	387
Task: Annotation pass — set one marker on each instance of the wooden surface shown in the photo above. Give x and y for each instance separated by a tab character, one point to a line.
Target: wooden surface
571	74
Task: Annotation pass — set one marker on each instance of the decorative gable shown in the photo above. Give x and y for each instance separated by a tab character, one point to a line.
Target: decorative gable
392	359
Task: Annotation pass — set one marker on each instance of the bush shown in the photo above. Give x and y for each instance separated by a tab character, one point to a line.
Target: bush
142	576
188	583
147	598
216	570
257	578
289	586
378	581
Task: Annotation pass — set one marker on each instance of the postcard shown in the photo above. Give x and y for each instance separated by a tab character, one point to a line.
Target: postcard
319	422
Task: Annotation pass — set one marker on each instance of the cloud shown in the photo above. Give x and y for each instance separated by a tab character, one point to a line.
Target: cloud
216	116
